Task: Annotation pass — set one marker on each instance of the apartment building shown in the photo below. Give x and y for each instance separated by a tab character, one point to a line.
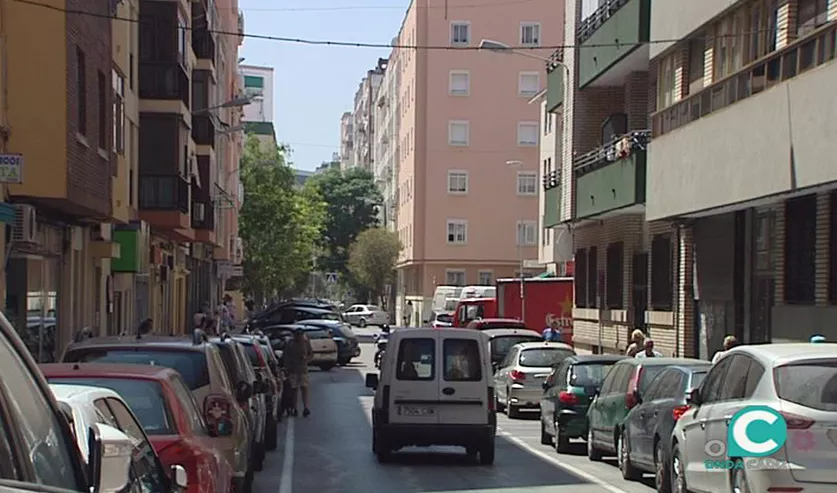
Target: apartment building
742	125
385	148
7	210
347	143
258	84
468	167
363	116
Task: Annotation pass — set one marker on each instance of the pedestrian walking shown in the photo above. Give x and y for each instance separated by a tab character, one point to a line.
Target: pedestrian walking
552	332
637	343
297	354
648	351
730	342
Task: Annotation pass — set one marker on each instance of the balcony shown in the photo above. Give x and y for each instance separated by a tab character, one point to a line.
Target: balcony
203	130
552	199
203	39
203	221
614	42
555	87
164	201
611	179
165	81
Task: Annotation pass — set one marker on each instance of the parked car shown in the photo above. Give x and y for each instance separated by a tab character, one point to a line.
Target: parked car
202	367
500	342
292	312
799	381
496	323
363	315
648	426
322	343
37	445
434	389
621	391
167	412
259	357
86	406
520	376
347	343
440	319
567	393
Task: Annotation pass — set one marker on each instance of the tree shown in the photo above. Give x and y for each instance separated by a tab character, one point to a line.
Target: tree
279	223
372	260
352	199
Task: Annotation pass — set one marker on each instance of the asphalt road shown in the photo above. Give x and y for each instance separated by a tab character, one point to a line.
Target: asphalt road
331	452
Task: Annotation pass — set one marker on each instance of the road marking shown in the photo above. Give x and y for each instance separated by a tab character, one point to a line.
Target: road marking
287	481
554	460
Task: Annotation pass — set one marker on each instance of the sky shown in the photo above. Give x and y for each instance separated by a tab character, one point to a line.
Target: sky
314	85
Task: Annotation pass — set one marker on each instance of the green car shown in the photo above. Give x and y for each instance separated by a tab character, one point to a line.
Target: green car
567	393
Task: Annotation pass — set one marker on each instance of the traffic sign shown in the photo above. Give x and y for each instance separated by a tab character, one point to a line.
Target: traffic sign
331	277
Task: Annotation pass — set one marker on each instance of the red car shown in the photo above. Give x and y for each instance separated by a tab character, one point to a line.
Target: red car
164	406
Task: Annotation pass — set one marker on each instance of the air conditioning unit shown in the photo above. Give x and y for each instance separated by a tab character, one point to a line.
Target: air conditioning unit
26	225
198	212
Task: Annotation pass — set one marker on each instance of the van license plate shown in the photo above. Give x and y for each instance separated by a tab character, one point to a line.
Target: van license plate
416	411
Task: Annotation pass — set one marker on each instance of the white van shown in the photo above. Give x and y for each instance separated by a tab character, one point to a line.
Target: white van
435	388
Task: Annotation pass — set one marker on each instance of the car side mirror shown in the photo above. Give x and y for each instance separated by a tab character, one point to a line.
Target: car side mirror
110	458
544	385
179	477
243	391
279	353
693	397
372	381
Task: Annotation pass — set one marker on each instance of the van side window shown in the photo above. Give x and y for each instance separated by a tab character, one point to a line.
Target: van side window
416	359
462	360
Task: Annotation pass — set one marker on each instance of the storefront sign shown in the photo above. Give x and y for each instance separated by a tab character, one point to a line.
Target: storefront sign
11	168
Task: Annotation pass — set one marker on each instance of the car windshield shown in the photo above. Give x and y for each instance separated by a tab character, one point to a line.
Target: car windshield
589	374
144	397
811	385
543	357
501	345
190	364
445	318
648	374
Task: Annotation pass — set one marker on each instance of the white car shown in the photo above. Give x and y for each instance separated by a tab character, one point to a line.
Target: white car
86	406
363	315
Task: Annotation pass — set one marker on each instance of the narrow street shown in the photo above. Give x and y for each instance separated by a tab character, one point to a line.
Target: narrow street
330	452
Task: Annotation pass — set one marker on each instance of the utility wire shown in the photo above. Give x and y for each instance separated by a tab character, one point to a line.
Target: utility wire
358	44
384	7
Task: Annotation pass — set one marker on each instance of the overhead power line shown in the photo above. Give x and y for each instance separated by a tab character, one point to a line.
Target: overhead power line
359	44
440	5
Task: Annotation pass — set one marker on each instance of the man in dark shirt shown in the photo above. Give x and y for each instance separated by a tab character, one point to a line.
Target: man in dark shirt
297	355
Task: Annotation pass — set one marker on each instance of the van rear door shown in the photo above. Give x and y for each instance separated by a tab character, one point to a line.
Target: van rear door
463	395
415	384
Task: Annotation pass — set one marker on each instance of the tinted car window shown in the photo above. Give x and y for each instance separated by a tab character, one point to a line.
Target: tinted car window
648	374
811	385
589	374
462	360
191	364
736	380
541	357
194	412
317	334
710	391
445	318
416	359
253	355
144	396
501	345
317	315
230	363
145	470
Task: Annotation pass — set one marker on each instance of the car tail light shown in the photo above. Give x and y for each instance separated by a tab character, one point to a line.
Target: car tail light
633	385
568	398
679	411
796	422
491	399
217	411
517	375
173	452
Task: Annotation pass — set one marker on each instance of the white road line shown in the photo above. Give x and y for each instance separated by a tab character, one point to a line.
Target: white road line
554	460
287	480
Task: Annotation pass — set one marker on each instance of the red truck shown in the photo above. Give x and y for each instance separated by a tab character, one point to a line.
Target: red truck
546	300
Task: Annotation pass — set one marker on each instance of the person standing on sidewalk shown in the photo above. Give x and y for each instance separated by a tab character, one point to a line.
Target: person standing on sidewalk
729	343
297	354
637	343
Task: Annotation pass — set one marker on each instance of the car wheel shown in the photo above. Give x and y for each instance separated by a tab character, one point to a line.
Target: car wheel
361	323
271	434
661	469
546	438
380	448
678	477
739	479
511	411
629	472
343	361
593	453
562	442
326	366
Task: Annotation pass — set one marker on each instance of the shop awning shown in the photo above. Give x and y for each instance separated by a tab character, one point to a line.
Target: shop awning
7	213
544	275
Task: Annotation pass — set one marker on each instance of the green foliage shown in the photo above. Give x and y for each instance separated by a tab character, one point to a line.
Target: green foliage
279	223
352	199
372	259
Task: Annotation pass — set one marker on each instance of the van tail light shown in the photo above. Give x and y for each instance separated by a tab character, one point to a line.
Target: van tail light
796	422
217	411
568	398
679	411
633	385
173	451
491	399
517	376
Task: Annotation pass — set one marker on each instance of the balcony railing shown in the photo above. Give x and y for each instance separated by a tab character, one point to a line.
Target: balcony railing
551	180
787	63
170	193
203	215
616	149
595	20
203	130
164	80
203	43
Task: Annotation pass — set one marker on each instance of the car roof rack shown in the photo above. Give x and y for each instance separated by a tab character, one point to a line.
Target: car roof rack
199	337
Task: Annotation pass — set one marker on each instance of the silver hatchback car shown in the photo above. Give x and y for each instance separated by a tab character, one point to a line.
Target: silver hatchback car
518	382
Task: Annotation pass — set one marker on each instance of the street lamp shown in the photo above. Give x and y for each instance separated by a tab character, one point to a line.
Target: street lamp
232	103
521	233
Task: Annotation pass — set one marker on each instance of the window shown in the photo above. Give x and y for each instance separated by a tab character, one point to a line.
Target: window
81	91
527	183
810	15
736	379
543	357
580	280
459	133
460	33
462	360
832	251
527	133
457	231
666	83
457	182
529	84
460	83
181	38
593	277
145	469
193	410
103	111
485	278
455	277
697	48
662	289
118	113
614	276
800	249
809	384
530	34
416	359
527	233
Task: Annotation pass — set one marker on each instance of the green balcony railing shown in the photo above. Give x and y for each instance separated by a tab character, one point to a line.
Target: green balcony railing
552	199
